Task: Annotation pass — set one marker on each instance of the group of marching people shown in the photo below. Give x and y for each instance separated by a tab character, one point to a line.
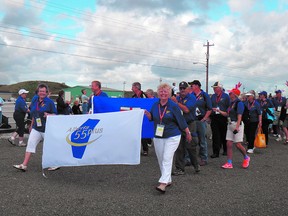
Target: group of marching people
180	123
231	116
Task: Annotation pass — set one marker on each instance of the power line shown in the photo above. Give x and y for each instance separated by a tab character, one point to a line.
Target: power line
94	57
125	24
78	43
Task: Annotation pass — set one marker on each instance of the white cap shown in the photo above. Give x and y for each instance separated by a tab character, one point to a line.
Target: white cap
22	91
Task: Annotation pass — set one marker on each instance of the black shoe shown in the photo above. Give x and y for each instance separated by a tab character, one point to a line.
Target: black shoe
214	156
224	153
145	153
197	168
178	172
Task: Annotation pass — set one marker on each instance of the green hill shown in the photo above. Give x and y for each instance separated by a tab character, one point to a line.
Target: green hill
31	86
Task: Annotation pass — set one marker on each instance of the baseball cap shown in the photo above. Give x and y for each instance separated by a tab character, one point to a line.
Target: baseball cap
195	82
250	93
22	91
217	84
263	93
278	91
235	91
183	84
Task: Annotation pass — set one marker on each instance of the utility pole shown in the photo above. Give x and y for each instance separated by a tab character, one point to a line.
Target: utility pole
207	63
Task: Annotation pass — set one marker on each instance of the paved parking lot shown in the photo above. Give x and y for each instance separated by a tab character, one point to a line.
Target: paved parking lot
130	190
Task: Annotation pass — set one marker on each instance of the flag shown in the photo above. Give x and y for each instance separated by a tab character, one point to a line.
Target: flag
106	138
105	104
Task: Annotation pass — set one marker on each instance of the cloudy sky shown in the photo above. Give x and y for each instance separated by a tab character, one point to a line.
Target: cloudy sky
119	42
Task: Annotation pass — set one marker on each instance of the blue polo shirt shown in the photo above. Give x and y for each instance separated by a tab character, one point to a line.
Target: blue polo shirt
254	110
264	105
20	105
189	101
202	104
102	94
235	108
38	109
222	102
173	120
278	103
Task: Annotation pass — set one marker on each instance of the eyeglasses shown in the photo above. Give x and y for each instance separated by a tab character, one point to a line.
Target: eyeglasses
182	88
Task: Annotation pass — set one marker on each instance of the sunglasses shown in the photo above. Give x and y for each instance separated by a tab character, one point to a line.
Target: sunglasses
182	88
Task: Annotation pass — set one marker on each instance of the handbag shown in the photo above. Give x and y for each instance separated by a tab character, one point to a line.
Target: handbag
270	115
260	140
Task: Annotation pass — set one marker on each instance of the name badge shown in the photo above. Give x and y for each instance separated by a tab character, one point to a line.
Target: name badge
38	122
286	111
197	112
159	130
217	110
279	108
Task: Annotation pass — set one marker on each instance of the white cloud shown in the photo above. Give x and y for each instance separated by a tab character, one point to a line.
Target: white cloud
122	40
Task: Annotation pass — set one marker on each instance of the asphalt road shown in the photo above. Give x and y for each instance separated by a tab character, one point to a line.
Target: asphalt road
130	190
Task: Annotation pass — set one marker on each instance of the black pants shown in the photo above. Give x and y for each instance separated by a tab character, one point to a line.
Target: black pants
145	142
219	130
19	119
265	128
191	148
251	130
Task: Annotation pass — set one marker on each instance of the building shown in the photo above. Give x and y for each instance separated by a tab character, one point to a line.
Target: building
7	96
74	93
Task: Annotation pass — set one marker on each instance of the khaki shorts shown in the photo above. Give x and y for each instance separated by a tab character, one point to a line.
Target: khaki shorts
235	137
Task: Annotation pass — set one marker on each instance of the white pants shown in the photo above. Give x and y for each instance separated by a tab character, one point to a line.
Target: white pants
34	138
165	149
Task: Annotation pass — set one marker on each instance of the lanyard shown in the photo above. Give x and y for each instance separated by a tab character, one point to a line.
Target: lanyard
38	104
161	115
263	103
198	96
250	106
218	98
231	106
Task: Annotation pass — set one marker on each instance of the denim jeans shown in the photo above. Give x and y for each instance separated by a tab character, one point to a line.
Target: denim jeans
201	128
84	108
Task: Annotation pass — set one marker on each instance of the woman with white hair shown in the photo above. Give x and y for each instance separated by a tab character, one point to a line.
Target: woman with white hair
168	125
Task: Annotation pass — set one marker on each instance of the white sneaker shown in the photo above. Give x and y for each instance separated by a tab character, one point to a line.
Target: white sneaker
11	140
279	138
250	151
22	144
275	135
20	167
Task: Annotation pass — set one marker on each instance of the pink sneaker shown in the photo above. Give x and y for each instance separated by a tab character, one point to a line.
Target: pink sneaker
227	166
245	163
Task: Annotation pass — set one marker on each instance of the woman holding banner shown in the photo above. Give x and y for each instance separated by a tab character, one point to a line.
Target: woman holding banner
168	124
39	110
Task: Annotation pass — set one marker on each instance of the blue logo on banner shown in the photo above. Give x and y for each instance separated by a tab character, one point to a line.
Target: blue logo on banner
80	137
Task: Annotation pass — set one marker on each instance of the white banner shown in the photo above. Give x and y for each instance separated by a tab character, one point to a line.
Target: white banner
106	138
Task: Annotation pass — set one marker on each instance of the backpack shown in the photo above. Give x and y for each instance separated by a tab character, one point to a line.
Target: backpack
5	123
